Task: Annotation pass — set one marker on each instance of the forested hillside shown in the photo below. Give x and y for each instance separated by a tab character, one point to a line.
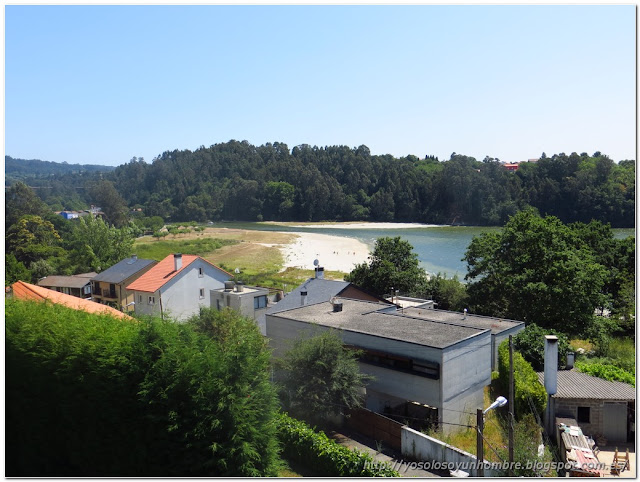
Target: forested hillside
239	181
20	169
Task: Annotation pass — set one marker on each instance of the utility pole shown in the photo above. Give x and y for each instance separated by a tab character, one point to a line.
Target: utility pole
511	408
479	442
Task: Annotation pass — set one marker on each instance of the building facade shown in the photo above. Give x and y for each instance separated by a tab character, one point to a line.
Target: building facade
109	287
177	287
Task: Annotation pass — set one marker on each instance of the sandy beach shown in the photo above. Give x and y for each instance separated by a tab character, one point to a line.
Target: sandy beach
335	253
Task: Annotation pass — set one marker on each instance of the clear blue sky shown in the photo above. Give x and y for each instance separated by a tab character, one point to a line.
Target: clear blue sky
101	84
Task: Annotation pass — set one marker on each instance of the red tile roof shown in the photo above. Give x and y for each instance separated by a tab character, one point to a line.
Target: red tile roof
27	291
161	273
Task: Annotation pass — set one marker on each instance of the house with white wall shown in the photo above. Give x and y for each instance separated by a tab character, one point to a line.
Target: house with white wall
177	287
437	364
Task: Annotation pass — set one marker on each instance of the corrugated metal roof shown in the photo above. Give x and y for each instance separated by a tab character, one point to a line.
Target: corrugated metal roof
27	291
161	273
574	384
75	281
122	270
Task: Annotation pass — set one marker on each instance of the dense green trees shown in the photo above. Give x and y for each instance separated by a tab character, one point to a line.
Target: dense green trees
392	265
542	271
40	243
535	270
95	246
90	396
238	181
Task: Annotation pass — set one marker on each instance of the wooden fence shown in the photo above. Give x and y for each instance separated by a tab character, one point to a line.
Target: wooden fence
378	427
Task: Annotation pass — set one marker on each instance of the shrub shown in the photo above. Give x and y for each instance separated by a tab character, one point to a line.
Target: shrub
300	443
530	343
90	395
529	393
607	372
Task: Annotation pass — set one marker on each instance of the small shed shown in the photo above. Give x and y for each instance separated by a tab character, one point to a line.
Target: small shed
600	407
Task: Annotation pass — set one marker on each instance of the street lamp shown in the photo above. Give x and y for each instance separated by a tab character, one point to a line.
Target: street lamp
499	402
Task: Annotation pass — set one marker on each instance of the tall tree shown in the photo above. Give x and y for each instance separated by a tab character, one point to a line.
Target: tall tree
95	246
32	238
20	200
322	378
113	205
392	264
537	270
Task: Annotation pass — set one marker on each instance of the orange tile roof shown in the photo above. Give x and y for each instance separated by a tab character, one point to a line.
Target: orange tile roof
27	291
164	271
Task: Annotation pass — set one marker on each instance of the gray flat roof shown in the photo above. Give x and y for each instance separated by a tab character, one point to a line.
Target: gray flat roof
496	325
573	384
122	270
363	317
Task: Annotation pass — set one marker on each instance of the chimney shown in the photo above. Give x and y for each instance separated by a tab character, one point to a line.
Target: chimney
177	261
551	364
465	314
337	306
134	257
319	272
303	298
571	357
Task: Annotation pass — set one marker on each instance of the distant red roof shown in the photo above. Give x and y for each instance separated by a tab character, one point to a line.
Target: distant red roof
27	291
161	273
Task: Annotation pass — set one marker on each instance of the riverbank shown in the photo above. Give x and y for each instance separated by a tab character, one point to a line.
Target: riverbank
353	225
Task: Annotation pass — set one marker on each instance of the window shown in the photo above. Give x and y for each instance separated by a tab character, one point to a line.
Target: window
87	290
139	298
152	300
201	272
218	304
201	293
260	302
584	414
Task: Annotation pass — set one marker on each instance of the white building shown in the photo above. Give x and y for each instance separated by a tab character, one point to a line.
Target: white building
440	364
177	287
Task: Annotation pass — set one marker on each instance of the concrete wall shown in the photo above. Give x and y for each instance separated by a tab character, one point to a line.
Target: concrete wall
568	407
404	386
422	448
499	338
243	302
142	306
466	369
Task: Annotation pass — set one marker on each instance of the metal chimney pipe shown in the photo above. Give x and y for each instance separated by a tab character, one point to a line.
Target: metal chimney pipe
570	360
551	364
177	261
303	298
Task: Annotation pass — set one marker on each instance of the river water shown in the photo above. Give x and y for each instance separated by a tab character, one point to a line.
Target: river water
440	249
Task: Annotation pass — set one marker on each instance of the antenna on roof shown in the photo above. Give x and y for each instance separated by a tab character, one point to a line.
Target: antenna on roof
316	262
236	271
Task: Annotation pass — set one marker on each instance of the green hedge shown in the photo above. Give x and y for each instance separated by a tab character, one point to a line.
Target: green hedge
95	396
528	390
302	444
